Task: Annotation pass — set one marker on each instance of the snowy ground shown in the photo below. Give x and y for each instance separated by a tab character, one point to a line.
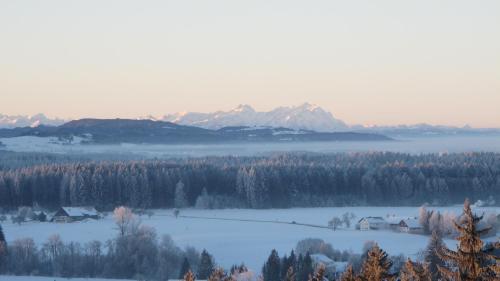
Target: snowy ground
36	278
242	241
416	145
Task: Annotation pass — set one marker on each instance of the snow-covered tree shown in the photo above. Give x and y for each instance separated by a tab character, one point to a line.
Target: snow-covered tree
335	222
271	270
431	256
376	266
206	265
125	220
414	271
180	199
471	261
348	274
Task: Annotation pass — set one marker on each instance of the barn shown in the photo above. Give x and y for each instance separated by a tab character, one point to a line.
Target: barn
410	226
368	223
71	214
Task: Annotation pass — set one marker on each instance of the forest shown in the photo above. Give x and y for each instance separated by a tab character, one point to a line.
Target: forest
275	181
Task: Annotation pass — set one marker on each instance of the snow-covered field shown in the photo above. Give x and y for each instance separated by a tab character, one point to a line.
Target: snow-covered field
416	145
37	278
242	241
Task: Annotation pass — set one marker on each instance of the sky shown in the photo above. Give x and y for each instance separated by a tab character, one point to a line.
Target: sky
368	62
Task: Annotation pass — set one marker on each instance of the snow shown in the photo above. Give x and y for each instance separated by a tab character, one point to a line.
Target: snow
412	223
13	121
40	278
305	116
80	211
233	240
412	146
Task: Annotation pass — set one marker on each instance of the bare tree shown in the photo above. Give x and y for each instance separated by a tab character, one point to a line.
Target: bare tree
334	223
125	220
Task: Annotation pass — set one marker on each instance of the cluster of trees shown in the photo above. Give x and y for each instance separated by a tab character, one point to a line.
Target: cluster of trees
136	252
472	261
444	223
345	220
279	181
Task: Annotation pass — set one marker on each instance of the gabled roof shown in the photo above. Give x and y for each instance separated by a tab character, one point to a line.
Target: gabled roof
320	258
80	211
373	219
397	219
412	223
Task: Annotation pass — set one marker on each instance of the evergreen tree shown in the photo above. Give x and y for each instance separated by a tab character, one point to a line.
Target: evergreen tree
271	269
413	271
319	275
470	261
180	199
348	274
431	257
305	267
288	262
290	274
2	236
189	276
376	266
219	275
206	266
185	268
284	266
3	250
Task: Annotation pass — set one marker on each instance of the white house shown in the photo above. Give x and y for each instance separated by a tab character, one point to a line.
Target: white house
333	268
368	223
410	226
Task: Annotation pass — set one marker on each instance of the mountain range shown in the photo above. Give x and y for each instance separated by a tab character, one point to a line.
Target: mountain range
302	117
16	121
306	117
116	131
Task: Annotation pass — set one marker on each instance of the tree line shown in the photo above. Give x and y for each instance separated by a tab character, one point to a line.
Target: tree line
278	181
136	253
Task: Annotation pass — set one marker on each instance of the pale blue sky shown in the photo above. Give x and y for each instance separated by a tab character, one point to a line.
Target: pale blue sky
369	62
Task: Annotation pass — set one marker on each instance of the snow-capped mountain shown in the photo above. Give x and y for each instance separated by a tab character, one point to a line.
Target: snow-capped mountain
14	121
305	116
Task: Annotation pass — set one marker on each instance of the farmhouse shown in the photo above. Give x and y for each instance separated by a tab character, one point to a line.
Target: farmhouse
410	226
333	269
70	214
368	223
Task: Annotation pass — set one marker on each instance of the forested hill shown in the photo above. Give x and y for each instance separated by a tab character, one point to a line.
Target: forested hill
258	182
116	131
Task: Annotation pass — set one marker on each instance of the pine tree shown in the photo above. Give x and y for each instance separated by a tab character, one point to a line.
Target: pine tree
189	276
271	269
290	274
219	275
348	274
470	261
431	257
305	267
180	197
206	265
3	250
319	275
376	266
2	236
284	266
185	268
413	271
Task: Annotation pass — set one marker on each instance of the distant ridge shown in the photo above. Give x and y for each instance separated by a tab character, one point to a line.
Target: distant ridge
303	117
115	131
